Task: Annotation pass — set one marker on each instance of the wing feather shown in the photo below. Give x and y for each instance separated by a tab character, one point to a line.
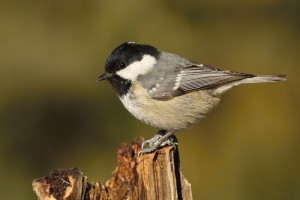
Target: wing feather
192	78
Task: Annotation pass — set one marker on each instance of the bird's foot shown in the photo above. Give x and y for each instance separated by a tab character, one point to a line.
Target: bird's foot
161	139
151	142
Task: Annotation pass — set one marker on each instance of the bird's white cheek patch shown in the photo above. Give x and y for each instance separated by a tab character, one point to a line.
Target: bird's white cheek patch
132	71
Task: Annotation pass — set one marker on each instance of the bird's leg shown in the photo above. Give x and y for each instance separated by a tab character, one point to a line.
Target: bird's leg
171	141
162	138
152	140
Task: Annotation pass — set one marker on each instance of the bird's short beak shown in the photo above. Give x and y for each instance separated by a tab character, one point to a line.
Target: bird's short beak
104	76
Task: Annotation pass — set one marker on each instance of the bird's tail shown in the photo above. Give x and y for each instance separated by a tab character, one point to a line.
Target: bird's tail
264	78
253	79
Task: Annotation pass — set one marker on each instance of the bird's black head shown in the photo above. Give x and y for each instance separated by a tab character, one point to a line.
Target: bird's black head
120	58
127	53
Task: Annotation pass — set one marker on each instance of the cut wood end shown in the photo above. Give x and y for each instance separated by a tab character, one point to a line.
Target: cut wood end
59	184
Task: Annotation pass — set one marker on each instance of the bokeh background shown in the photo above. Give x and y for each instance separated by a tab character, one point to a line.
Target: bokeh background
54	115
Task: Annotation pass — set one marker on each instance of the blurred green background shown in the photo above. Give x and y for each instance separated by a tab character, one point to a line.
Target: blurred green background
54	115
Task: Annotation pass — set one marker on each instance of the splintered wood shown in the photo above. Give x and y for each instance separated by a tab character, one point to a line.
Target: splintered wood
153	176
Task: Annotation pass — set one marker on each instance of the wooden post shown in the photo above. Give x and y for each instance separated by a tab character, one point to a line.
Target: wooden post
151	176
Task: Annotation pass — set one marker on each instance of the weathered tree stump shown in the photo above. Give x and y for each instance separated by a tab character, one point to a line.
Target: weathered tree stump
151	176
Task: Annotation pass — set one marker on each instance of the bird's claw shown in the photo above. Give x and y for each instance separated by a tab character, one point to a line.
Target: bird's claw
156	142
151	141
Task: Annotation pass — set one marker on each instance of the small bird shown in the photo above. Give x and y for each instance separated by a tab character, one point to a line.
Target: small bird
168	91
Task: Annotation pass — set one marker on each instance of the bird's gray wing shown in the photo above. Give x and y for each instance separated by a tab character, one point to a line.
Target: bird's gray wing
192	78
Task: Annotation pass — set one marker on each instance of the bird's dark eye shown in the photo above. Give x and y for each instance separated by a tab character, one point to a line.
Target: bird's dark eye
121	65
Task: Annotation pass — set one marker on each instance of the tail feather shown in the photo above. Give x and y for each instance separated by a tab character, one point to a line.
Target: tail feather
264	78
255	79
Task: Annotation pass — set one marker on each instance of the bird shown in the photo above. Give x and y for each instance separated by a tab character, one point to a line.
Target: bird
168	91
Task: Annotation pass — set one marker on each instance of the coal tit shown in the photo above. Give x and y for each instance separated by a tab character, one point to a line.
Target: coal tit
168	91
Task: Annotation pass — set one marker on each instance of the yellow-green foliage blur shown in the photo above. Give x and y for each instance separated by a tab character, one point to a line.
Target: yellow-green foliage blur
54	115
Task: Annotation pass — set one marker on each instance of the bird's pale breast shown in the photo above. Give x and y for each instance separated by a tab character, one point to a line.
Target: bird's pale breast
178	113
